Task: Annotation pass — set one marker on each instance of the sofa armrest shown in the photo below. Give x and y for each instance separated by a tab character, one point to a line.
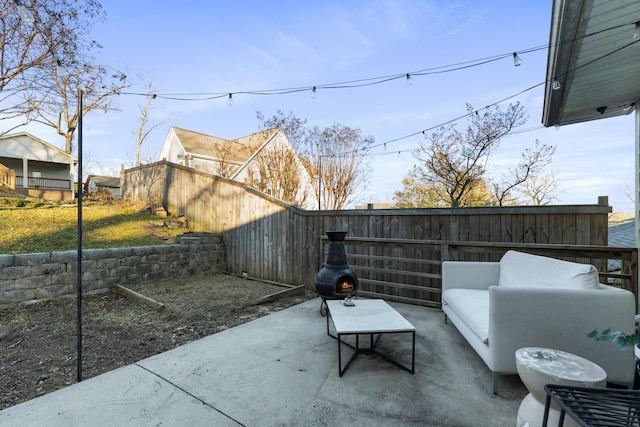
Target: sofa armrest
469	275
560	319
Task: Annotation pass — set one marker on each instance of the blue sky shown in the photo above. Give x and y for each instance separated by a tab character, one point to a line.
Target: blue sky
223	46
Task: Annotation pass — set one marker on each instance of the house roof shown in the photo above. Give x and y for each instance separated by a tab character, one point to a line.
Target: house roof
104	181
14	145
594	53
239	149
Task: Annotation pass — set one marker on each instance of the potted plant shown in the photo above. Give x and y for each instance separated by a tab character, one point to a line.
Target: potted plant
623	341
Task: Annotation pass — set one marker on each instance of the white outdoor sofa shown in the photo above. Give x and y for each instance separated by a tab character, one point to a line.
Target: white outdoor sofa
532	301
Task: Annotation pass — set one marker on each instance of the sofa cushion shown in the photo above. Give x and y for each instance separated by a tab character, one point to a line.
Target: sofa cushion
518	269
472	307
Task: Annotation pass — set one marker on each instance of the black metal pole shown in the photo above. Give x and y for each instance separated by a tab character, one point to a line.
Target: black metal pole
79	318
319	254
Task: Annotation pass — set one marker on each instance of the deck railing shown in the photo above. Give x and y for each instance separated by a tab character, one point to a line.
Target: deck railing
410	270
44	183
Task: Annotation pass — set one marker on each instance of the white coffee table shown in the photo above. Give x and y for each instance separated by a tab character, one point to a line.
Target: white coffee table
368	317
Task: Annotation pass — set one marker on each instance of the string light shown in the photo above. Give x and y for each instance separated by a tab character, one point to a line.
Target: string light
556	84
60	69
516	60
409	79
636	33
230	101
424	132
25	13
313	93
378	80
383	79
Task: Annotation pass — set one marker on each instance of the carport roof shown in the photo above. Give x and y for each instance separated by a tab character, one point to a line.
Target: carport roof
594	53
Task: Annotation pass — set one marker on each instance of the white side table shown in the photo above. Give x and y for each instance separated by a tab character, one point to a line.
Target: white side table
539	366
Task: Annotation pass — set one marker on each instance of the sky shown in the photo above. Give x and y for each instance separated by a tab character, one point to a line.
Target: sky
239	46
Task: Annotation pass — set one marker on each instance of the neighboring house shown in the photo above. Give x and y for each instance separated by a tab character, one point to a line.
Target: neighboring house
110	183
621	234
41	170
237	159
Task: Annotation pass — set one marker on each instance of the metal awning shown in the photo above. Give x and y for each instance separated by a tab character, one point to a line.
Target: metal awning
594	55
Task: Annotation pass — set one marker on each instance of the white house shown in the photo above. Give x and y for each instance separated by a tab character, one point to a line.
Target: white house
236	159
41	170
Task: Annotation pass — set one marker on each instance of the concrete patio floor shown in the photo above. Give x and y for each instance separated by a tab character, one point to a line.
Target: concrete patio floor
282	370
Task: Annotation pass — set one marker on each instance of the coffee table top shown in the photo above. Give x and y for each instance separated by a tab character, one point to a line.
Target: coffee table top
367	316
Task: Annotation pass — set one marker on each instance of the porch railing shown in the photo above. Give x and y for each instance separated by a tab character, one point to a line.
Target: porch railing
7	178
44	183
410	270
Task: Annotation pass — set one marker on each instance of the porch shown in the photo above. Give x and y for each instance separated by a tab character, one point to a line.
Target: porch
53	189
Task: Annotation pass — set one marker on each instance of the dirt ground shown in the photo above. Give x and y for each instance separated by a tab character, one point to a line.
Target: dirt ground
38	342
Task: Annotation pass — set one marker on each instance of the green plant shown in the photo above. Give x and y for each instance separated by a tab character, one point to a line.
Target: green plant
623	341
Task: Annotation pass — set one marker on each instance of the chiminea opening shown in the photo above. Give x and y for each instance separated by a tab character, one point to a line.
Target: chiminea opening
336	280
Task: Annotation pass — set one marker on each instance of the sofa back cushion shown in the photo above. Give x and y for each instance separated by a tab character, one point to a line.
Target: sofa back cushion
518	269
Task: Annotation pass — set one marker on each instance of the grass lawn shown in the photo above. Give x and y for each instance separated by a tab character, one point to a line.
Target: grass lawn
30	225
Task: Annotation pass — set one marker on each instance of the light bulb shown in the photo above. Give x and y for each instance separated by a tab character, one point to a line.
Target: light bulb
25	13
556	84
61	70
313	93
516	60
636	34
409	79
230	101
478	116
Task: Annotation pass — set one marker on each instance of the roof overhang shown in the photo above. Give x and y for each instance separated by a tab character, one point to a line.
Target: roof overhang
595	58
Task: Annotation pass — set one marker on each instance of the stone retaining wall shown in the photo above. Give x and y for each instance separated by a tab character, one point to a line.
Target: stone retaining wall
26	277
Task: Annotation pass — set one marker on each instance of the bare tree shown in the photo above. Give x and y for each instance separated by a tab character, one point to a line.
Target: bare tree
541	188
145	129
292	126
531	164
278	173
23	51
51	89
225	167
337	153
628	192
456	161
341	162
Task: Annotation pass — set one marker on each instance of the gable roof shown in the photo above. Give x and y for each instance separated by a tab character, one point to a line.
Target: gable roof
239	149
104	181
12	146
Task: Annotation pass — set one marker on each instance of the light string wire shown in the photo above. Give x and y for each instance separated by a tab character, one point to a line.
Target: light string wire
369	81
383	79
424	131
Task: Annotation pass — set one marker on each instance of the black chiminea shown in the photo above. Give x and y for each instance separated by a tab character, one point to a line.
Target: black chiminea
336	280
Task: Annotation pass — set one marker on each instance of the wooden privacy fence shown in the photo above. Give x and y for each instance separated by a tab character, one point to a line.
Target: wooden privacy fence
414	276
272	240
